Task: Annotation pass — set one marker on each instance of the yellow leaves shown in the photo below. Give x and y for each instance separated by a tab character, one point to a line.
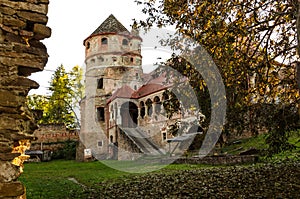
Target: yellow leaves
26	39
22	146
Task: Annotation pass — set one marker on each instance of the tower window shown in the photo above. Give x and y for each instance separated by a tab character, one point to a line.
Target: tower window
114	59
131	59
135	87
104	41
100	83
136	76
100	114
101	59
164	136
100	143
125	42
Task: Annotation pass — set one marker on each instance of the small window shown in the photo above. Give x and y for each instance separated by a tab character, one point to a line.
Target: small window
125	42
100	83
104	41
135	87
136	76
111	139
101	59
164	136
114	59
88	45
131	60
100	143
100	114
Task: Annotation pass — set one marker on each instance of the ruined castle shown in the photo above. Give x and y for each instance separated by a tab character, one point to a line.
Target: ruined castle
122	114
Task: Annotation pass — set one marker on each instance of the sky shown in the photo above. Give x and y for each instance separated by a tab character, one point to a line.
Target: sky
71	22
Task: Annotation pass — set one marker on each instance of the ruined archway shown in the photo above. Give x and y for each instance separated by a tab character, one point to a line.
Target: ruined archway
21	53
129	114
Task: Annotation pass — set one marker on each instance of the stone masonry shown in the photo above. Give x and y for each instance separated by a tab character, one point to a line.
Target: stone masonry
22	26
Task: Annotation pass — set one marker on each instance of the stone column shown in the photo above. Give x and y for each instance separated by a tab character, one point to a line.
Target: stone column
139	116
22	25
118	115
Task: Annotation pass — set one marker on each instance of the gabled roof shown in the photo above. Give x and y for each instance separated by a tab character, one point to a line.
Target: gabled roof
111	24
149	89
123	92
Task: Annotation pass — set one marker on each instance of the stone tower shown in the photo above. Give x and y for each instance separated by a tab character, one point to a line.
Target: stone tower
113	59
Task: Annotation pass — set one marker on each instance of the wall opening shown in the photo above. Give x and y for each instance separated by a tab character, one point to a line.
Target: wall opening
104	41
101	114
100	83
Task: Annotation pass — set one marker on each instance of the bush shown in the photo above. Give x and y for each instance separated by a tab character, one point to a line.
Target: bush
68	152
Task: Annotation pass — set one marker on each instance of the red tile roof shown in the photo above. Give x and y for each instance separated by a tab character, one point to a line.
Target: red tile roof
123	92
150	87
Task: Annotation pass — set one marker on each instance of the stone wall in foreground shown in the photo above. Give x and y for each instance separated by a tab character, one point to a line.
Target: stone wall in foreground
22	26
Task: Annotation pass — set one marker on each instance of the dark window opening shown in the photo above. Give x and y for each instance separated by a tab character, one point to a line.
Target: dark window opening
143	110
131	60
136	76
100	83
135	87
88	45
101	114
104	41
111	139
149	107
164	136
125	42
100	143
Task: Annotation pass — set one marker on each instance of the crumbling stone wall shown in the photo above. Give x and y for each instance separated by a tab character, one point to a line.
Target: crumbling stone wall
22	26
52	137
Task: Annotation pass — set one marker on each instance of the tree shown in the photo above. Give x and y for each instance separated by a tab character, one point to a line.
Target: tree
254	44
66	92
58	109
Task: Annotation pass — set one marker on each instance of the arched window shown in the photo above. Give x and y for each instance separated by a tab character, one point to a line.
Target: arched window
157	104
88	45
125	42
116	109
149	107
142	109
131	59
112	111
104	41
100	83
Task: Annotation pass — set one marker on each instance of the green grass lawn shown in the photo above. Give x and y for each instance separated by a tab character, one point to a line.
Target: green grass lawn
71	179
258	142
54	179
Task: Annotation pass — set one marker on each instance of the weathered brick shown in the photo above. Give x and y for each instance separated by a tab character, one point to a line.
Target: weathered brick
8	99
7	10
12	189
11	172
8	156
34	17
21	48
13	22
41	31
26	6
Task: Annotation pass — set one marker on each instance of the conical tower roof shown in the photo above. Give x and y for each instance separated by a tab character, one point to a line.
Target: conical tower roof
111	24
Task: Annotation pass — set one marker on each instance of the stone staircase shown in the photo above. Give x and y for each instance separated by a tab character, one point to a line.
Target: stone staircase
143	142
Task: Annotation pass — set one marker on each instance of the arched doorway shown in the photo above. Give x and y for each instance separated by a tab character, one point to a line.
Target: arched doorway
129	114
